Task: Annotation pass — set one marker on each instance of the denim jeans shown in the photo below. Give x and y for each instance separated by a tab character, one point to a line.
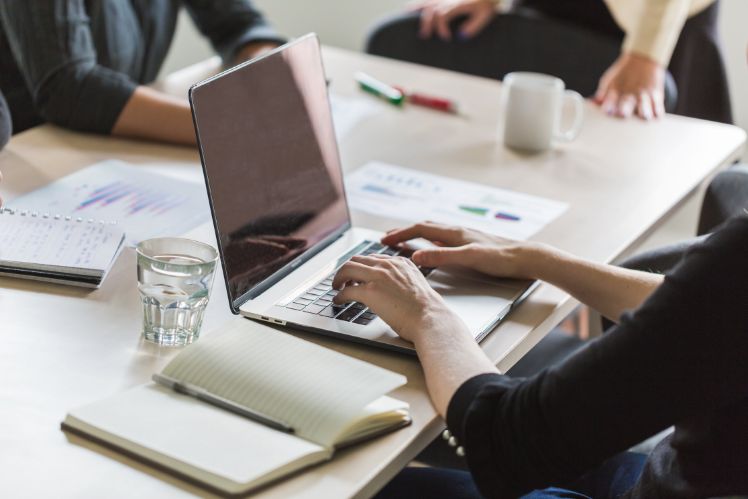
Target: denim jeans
610	480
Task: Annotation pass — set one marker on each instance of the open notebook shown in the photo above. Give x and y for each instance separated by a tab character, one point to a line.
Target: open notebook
330	400
58	249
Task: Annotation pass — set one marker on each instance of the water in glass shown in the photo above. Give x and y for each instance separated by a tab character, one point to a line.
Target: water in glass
174	289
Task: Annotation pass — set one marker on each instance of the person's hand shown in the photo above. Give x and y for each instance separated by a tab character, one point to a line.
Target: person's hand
477	250
437	14
1	199
254	49
634	84
395	290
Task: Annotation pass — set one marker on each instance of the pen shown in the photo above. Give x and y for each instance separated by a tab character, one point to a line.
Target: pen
380	89
423	100
205	396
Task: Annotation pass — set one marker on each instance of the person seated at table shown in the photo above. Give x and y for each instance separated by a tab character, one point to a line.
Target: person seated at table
6	127
637	40
83	65
676	357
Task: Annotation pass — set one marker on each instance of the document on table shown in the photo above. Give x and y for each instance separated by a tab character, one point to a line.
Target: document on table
348	113
413	196
141	201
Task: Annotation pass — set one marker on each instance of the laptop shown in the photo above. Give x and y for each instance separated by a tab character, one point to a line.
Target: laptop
275	184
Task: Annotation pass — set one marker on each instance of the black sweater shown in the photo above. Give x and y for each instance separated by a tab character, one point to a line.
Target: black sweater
680	359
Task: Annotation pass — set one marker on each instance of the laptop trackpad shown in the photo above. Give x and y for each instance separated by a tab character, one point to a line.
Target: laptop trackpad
478	299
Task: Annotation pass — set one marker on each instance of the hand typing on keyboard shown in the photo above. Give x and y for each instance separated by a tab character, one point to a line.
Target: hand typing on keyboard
395	289
319	298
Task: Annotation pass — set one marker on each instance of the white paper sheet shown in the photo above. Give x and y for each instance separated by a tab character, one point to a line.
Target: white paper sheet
414	196
144	204
348	113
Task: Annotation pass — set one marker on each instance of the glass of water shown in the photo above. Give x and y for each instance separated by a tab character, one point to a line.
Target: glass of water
174	280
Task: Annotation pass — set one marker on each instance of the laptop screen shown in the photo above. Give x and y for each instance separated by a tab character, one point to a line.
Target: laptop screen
271	165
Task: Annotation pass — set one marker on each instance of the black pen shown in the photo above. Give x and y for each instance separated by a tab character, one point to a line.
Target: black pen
205	396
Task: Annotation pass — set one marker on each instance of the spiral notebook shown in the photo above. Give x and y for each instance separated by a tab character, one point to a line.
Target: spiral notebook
57	248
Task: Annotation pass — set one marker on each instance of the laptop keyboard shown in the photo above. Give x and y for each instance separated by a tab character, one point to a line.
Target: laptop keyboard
318	299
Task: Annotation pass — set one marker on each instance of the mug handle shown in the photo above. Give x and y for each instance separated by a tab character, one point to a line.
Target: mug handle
572	132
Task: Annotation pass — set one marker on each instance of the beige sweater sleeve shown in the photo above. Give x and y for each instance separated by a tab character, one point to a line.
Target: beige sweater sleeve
653	26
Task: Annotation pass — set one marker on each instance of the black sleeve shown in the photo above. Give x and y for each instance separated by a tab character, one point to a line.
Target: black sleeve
682	353
230	24
52	44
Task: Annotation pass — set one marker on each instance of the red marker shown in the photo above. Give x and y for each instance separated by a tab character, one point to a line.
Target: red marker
437	103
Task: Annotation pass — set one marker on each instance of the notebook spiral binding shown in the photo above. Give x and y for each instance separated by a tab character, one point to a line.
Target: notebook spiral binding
52	216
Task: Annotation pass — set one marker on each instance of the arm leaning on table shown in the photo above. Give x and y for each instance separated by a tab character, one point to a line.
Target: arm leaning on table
633	85
54	44
237	31
678	358
608	289
635	82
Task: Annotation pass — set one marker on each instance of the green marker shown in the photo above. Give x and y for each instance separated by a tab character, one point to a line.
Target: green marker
380	89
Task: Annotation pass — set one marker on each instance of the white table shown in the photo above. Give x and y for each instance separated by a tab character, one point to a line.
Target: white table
62	347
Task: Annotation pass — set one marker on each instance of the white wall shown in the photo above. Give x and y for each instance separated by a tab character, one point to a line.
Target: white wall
343	23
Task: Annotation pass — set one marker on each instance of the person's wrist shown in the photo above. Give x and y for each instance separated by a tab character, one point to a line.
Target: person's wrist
436	319
253	49
538	259
520	260
641	59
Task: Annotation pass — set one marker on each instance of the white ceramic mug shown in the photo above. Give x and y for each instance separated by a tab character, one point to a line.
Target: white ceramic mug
531	110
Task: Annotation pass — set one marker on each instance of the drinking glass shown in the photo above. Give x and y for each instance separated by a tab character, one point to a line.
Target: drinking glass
174	280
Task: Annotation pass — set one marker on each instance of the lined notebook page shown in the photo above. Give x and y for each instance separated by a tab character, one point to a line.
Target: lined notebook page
315	390
46	243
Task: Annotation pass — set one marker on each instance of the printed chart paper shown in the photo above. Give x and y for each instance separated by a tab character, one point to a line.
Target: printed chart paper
143	203
414	196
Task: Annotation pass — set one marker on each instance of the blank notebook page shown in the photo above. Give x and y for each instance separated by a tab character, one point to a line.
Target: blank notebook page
315	390
178	429
39	243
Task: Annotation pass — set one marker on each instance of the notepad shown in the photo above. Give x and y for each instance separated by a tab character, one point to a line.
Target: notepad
328	399
57	248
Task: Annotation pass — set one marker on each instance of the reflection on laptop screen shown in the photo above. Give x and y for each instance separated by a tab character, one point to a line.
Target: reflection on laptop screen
271	163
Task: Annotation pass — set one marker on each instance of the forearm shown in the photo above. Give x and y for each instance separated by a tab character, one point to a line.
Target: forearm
630	383
449	356
608	289
656	30
153	115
